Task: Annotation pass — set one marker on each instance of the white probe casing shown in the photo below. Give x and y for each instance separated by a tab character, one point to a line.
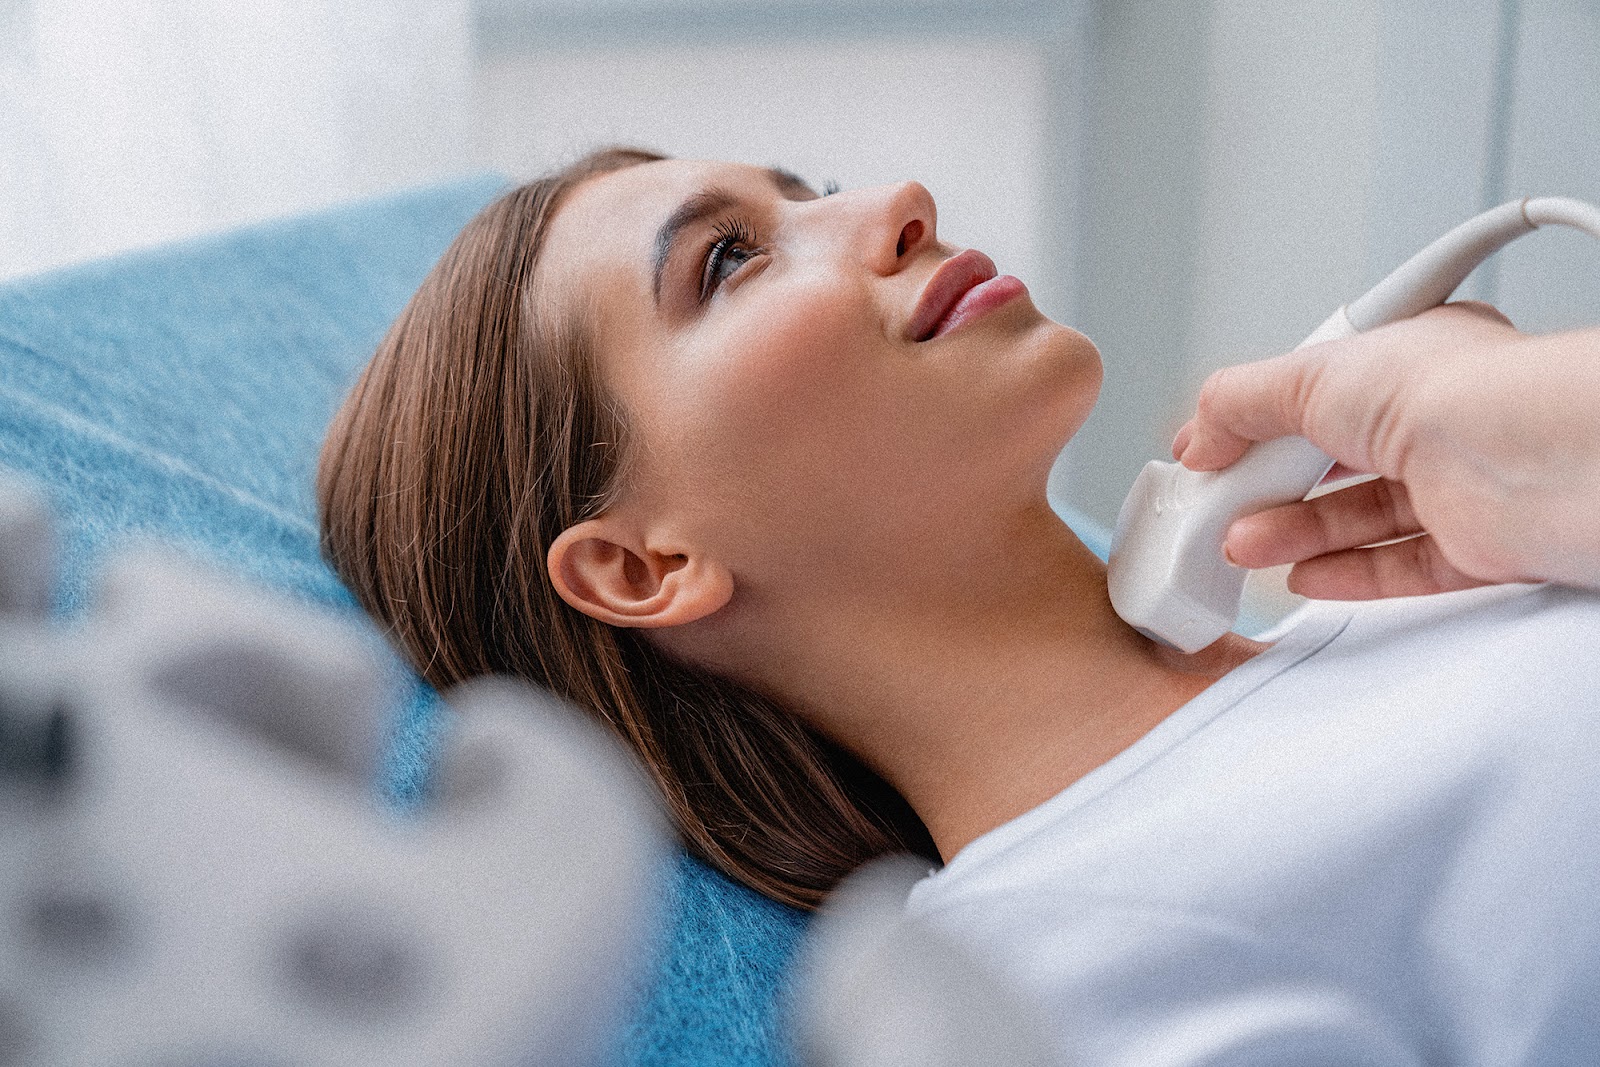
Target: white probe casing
1167	574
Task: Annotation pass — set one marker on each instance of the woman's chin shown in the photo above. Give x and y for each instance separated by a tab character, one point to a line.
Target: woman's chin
1072	373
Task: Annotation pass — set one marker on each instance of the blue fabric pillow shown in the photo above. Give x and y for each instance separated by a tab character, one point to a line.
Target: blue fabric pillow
182	393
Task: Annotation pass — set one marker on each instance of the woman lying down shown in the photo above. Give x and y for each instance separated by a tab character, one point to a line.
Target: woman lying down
757	477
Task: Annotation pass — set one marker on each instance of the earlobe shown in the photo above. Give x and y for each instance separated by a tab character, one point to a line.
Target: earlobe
603	572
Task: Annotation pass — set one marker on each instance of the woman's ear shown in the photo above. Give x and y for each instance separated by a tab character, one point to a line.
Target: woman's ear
605	573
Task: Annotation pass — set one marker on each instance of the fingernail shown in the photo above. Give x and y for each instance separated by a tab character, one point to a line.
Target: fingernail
1227	541
1180	443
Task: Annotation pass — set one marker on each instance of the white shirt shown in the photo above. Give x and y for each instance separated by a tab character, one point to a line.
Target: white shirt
1376	842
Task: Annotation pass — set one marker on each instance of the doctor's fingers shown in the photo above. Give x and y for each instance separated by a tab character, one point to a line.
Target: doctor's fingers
1413	567
1354	517
1351	397
1252	402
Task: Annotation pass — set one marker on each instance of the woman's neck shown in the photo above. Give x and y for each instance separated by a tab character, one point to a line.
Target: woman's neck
981	696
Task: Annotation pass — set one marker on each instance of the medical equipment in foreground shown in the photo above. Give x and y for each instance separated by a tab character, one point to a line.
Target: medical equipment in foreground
878	987
196	871
1167	574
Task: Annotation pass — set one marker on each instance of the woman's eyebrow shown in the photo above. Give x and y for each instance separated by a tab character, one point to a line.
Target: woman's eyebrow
790	184
700	206
709	202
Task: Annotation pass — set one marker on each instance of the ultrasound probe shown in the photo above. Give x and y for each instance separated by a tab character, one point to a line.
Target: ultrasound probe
1167	574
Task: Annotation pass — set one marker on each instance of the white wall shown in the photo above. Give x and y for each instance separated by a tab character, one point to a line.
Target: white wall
123	124
1291	95
1551	280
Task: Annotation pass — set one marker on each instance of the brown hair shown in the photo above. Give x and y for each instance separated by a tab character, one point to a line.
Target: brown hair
480	431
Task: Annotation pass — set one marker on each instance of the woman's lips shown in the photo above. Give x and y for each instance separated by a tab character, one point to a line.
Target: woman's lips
980	300
964	287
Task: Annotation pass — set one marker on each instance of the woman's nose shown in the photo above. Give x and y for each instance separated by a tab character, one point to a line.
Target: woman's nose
902	222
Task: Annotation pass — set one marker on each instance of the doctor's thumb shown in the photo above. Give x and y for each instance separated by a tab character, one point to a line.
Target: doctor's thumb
1241	405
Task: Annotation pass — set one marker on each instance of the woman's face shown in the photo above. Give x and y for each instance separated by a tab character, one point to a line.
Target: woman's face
790	411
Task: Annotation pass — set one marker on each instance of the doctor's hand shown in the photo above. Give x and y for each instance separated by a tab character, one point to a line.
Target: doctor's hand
1486	442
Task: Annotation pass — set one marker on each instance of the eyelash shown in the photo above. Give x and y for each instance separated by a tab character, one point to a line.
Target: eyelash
732	233
729	234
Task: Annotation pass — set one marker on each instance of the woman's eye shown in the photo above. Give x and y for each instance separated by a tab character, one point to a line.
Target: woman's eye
729	261
732	249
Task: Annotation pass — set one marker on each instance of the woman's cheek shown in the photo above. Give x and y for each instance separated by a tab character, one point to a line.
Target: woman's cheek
818	332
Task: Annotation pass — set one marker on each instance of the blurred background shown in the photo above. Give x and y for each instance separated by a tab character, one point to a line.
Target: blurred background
1190	182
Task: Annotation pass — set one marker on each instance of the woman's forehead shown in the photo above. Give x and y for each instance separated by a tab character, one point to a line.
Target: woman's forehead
603	231
631	203
603	238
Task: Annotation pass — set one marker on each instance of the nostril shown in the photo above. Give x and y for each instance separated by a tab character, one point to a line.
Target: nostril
909	237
